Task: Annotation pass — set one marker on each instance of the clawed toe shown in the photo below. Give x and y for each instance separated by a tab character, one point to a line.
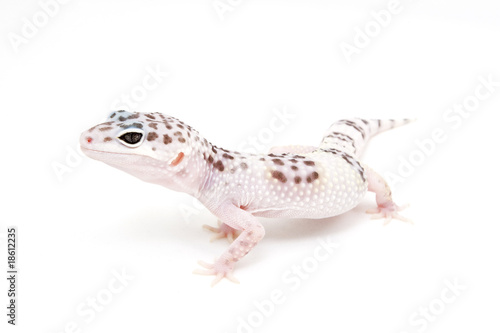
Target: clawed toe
220	273
222	231
389	212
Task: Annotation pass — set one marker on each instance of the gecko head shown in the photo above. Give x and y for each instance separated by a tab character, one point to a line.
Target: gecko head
150	146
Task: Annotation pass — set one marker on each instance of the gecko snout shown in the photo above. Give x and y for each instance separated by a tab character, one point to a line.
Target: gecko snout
87	140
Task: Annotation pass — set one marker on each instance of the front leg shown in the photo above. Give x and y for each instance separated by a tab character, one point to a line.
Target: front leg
222	231
386	208
251	233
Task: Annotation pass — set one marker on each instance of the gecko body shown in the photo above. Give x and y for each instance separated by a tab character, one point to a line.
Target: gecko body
290	181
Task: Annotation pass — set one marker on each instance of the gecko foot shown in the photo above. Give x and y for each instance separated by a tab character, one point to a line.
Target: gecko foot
223	231
220	270
388	211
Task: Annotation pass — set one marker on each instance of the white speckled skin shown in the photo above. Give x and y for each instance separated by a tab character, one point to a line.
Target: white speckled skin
291	181
337	189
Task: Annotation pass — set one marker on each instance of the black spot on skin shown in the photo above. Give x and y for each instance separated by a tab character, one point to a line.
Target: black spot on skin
278	161
150	116
168	126
310	163
106	139
260	159
293	160
152	136
342	136
103	129
332	150
294	168
210	159
138	125
314	175
309	179
122	118
133	116
379	123
297	180
225	155
219	165
244	166
181	139
364	121
272	155
358	166
166	139
177	133
153	125
112	115
353	125
214	149
298	156
344	156
180	126
279	176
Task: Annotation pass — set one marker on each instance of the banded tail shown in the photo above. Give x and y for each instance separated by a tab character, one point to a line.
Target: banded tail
351	135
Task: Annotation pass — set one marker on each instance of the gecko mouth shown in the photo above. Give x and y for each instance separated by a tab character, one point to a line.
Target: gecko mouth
109	152
107	157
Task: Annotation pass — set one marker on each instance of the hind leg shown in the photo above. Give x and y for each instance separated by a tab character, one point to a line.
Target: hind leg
386	207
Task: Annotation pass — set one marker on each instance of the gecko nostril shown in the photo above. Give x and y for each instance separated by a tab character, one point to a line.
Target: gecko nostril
89	139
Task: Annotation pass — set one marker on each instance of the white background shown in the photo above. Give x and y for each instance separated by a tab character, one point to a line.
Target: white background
225	78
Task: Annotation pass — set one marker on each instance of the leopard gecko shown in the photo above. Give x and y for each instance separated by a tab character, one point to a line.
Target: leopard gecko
288	182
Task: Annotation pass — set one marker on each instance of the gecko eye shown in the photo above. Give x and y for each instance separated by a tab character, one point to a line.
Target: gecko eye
131	139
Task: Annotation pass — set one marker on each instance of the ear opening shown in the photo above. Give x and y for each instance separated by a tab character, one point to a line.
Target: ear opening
176	161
